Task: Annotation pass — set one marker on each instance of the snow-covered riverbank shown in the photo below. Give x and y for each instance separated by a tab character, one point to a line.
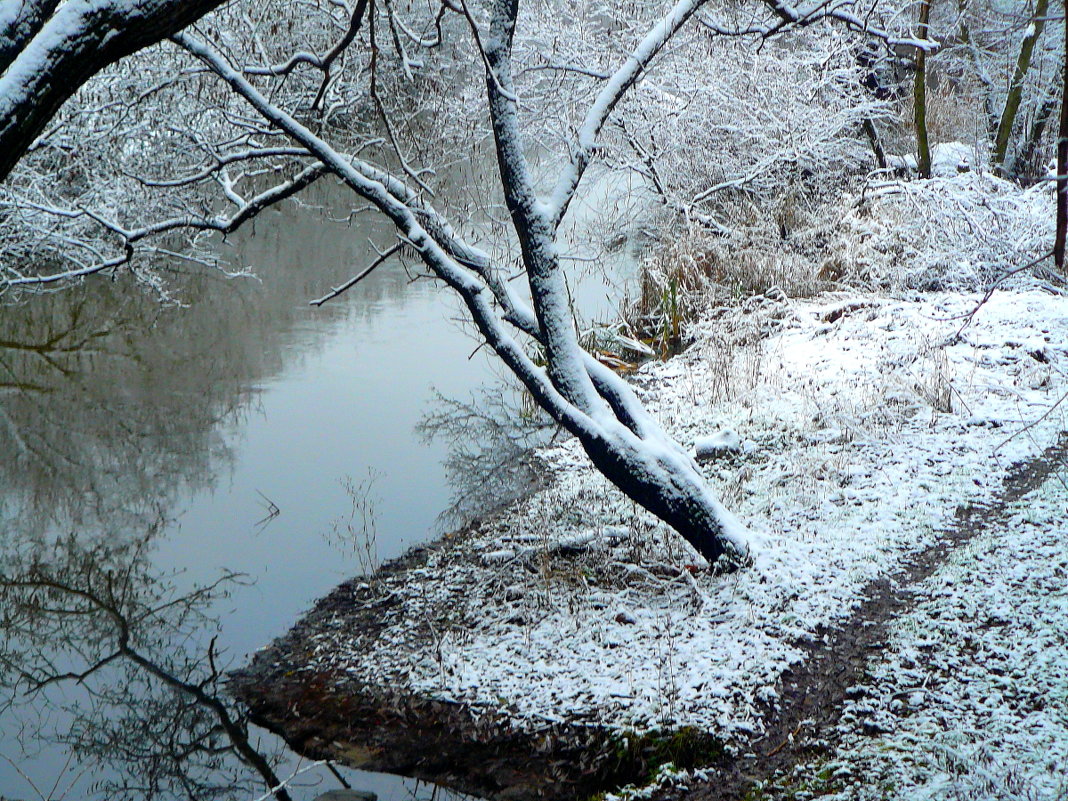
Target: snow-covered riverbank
863	423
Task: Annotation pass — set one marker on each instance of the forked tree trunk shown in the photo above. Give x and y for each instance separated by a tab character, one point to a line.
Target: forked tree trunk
651	471
586	398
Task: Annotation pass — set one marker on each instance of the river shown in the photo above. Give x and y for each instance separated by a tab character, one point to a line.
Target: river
242	430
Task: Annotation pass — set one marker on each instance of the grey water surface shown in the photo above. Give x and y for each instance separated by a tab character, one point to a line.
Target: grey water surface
157	446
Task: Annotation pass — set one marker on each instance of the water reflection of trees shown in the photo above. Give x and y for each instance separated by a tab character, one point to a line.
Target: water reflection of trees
113	408
112	405
491	439
101	656
92	636
100	418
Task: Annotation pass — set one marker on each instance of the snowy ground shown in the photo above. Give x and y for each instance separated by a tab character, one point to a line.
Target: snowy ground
863	421
970	698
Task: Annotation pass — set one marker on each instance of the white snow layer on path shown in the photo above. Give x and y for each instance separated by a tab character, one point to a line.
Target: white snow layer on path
862	435
970	699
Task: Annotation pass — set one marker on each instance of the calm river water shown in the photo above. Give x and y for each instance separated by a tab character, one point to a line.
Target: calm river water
164	445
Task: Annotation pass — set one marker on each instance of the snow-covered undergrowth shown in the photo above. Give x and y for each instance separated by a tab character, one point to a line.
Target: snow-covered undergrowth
864	421
952	232
970	699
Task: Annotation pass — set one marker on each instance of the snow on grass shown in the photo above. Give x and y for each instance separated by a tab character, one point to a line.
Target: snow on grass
958	231
970	699
865	422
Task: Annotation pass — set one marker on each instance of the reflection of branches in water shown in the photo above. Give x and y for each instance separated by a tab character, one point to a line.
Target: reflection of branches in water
88	622
490	439
103	411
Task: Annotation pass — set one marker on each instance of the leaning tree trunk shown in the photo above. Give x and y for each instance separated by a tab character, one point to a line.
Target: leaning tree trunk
581	394
666	484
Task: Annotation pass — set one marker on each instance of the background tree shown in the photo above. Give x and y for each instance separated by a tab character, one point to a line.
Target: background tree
923	145
1062	165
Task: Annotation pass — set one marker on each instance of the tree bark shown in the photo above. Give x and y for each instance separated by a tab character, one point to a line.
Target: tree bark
919	103
1062	166
19	23
49	52
1012	101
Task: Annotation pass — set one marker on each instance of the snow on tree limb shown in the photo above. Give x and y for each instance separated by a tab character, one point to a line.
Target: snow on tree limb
651	470
51	51
607	99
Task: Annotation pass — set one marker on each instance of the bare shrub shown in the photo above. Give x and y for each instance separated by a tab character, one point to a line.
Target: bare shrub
700	270
947	234
955	111
358	531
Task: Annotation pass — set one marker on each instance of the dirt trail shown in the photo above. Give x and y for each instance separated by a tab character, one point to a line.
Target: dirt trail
813	694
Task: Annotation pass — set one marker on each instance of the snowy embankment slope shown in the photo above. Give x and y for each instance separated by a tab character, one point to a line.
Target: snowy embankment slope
864	422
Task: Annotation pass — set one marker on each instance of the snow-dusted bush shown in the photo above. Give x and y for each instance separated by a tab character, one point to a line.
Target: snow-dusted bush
947	233
740	121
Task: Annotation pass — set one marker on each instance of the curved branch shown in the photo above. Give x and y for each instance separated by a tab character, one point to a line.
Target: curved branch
651	472
19	23
78	40
247	210
622	80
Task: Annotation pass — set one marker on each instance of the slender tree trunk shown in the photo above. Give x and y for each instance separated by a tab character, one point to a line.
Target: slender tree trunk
1024	166
876	145
1062	166
919	93
1012	101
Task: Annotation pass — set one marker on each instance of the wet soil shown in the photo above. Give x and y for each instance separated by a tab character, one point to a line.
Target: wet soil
326	714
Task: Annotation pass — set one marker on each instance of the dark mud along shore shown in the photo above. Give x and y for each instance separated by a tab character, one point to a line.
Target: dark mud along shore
328	715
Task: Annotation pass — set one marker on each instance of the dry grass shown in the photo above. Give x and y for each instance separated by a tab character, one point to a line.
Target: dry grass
699	271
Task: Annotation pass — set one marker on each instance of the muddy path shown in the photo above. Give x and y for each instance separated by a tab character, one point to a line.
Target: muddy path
803	727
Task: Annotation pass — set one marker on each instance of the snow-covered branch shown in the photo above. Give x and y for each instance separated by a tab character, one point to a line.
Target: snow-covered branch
50	51
651	470
128	238
607	99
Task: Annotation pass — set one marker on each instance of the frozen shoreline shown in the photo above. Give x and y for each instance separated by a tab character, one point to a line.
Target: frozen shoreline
864	422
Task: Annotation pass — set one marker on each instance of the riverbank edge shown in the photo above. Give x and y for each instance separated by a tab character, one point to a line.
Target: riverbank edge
327	715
